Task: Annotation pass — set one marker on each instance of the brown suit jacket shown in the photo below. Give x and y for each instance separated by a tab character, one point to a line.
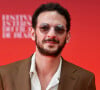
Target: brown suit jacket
16	76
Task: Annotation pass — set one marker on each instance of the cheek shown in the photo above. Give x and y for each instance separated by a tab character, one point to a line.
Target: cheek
39	37
62	38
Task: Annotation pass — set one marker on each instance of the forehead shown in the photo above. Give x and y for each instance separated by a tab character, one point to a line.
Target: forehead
51	17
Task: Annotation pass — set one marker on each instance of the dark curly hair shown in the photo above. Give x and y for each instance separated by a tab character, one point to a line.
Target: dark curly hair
51	7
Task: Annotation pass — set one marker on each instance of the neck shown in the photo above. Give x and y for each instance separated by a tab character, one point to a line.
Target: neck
46	65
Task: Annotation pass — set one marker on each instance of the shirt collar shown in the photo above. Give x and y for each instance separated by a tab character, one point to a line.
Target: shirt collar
33	68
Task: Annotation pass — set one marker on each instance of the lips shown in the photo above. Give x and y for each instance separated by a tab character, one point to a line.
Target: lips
51	42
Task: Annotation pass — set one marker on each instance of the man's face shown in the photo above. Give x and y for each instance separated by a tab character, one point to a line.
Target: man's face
50	33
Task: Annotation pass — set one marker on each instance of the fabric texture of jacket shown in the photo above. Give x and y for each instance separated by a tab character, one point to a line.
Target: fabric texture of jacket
16	76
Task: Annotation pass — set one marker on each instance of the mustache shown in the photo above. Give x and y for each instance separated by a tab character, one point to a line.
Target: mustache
53	40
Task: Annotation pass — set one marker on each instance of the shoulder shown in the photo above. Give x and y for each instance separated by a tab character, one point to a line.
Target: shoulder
14	66
84	78
79	71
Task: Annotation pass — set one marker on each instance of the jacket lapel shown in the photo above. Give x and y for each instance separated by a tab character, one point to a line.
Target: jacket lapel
68	77
23	76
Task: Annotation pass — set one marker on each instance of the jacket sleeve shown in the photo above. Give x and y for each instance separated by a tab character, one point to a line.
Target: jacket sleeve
91	85
1	84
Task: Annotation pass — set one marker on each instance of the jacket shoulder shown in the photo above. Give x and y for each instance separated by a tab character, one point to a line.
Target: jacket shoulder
72	74
77	69
15	65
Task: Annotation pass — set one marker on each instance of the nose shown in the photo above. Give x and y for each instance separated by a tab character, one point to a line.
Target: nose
51	33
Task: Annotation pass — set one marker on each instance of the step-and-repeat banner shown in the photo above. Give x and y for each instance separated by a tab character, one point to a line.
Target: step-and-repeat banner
83	48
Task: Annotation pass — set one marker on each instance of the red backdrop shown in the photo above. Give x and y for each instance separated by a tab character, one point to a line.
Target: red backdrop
84	46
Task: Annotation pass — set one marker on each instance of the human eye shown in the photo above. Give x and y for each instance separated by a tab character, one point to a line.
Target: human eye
60	29
44	27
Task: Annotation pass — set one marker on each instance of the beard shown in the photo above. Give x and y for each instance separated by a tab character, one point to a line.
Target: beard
47	52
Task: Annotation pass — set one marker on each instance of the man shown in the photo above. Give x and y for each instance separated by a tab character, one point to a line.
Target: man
46	69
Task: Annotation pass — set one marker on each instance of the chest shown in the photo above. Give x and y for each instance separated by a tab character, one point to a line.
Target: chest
40	83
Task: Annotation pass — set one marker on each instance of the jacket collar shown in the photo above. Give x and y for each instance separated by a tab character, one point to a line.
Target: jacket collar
24	75
68	77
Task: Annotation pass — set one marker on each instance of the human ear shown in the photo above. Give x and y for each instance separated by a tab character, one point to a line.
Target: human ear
33	34
68	36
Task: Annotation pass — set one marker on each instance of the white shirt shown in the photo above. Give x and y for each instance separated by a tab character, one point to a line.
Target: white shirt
35	83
